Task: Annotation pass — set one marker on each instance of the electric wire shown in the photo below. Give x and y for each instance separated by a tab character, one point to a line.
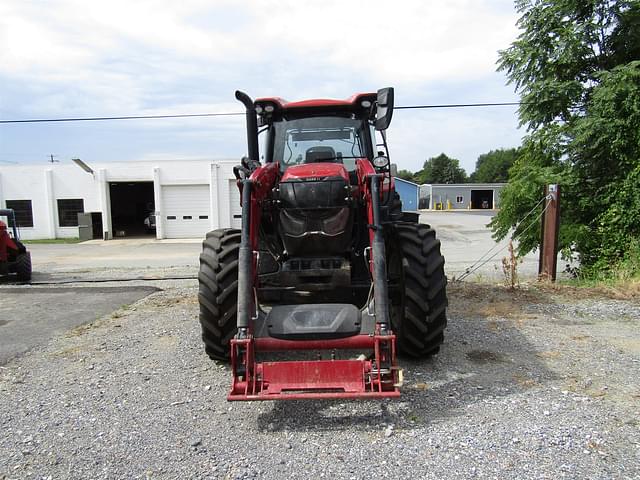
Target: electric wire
478	264
470	271
459	105
126	117
223	114
497	244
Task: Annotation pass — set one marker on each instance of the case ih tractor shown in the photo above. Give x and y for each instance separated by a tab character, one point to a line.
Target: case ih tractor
325	262
14	257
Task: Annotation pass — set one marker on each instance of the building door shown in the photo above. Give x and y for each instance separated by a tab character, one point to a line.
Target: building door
185	211
236	207
131	205
482	199
96	224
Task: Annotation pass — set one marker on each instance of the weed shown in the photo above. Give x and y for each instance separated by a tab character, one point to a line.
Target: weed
510	267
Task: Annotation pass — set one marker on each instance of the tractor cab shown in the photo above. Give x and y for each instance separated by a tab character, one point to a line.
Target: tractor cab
318	131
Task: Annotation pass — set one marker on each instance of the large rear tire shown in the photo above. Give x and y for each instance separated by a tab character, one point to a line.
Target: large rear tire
218	291
23	267
416	267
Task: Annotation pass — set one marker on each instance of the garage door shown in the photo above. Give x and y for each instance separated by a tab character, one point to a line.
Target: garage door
185	210
236	209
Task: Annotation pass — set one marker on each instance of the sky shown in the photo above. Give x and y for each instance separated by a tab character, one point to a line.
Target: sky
78	58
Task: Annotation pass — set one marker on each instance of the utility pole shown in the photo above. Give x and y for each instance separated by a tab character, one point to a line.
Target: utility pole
52	160
547	264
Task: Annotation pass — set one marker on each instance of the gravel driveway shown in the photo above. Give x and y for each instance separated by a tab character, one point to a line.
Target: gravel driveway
528	385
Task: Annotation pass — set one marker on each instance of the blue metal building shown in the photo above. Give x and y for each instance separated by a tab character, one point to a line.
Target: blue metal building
408	192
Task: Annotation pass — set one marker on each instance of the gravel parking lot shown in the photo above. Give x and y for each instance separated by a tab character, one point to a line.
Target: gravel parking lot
533	383
529	384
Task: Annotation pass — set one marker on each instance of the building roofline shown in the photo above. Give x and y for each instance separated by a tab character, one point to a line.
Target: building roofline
397	179
458	185
107	164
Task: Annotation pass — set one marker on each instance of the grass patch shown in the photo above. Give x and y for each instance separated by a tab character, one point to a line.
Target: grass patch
51	240
621	280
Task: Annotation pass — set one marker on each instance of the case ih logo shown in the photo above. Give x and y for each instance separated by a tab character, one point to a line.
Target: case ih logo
313	179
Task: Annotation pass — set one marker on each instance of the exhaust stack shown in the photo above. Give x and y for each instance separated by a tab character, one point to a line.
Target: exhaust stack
252	125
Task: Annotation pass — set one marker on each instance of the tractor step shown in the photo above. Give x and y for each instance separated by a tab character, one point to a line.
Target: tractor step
313	321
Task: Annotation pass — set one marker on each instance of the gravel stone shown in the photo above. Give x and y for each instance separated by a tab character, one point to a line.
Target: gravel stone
528	385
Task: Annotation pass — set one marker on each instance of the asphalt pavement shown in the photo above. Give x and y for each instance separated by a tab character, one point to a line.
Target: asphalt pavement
31	316
464	235
466	241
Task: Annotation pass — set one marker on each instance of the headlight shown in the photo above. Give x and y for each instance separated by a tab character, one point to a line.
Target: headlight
380	161
365	103
269	108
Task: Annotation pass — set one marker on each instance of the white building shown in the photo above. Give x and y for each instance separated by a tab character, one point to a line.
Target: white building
188	198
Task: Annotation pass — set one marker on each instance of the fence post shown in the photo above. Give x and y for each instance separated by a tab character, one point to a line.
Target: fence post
547	263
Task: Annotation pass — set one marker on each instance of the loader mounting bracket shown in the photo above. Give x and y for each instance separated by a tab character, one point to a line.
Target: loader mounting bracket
378	377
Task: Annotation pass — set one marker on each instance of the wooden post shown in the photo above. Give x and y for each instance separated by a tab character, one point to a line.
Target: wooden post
547	264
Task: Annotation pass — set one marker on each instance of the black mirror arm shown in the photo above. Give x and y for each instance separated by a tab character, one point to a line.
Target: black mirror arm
383	134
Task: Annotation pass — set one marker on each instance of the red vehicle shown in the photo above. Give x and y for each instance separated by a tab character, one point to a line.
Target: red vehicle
325	264
14	257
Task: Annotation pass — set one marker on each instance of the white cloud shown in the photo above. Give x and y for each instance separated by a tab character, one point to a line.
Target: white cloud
78	57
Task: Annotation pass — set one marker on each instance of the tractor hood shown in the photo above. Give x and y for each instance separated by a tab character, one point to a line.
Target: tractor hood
315	172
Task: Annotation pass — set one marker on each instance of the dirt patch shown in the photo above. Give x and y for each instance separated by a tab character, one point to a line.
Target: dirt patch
487	301
496	301
485	356
550	354
169	301
629	290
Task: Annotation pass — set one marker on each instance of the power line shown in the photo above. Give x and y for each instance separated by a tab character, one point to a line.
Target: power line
221	114
129	117
458	105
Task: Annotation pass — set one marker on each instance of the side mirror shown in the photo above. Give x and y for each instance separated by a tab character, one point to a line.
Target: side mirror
385	108
393	169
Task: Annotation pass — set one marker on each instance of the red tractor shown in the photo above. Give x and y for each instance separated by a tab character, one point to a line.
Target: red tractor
14	257
325	261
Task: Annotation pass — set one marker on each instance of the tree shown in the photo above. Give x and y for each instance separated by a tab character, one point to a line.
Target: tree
406	175
573	65
494	166
441	169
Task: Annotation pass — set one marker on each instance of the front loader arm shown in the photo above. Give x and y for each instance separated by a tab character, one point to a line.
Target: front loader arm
370	187
253	191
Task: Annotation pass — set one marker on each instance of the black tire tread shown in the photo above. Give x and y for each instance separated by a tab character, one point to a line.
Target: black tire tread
420	331
23	267
218	291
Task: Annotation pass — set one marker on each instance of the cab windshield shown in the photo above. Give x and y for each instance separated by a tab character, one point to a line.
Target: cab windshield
320	139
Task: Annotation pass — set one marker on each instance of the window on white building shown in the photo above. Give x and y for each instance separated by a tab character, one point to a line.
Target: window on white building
68	209
23	212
